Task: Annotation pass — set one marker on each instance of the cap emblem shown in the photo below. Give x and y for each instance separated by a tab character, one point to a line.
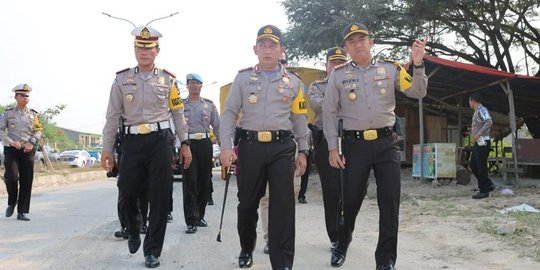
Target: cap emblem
267	30
354	27
145	33
26	87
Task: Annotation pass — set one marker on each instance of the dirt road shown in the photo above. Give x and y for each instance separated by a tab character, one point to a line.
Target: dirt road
441	228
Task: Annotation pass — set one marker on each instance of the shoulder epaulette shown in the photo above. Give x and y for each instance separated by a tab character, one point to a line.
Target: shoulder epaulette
341	66
123	70
34	111
207	100
170	73
245	69
296	74
10	109
396	63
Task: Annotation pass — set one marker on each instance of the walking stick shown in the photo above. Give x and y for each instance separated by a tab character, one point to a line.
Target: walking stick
227	177
341	173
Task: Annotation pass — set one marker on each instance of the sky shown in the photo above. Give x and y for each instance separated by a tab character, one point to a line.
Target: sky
69	52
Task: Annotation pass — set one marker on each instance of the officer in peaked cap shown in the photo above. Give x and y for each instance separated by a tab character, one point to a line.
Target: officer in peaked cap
21	142
329	176
147	98
201	116
273	109
362	93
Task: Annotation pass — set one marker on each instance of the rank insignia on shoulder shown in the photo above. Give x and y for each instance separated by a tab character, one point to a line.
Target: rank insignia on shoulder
245	69
341	66
170	73
123	70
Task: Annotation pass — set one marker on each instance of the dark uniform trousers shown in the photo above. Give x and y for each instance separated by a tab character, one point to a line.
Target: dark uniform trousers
330	187
146	164
305	177
258	163
195	181
479	165
19	176
143	207
383	156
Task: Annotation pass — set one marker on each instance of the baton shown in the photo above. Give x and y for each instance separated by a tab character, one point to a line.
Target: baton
227	177
341	173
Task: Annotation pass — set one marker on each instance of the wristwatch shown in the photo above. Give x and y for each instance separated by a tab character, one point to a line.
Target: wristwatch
303	151
186	142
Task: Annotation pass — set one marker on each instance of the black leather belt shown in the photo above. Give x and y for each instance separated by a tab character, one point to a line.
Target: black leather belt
265	135
368	134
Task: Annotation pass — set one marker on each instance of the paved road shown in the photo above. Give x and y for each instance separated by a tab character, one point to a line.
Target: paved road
72	228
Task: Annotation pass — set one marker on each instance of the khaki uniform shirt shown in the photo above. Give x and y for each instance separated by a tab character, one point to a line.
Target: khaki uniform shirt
143	98
316	98
22	126
200	115
265	104
365	97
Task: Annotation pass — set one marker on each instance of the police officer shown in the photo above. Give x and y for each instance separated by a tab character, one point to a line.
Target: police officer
147	97
362	94
201	115
23	133
329	176
481	125
273	109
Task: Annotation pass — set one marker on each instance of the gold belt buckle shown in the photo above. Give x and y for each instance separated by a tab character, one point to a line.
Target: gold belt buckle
144	129
264	136
198	136
370	135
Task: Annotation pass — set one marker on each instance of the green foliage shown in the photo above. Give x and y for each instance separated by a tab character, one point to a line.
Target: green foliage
486	33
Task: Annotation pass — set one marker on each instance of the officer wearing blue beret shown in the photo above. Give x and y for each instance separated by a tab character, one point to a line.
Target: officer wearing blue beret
201	116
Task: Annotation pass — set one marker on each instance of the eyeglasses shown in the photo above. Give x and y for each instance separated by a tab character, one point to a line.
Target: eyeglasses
283	61
23	95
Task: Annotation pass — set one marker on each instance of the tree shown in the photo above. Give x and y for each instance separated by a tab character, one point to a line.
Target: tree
500	34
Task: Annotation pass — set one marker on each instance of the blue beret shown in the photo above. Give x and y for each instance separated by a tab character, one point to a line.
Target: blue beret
193	76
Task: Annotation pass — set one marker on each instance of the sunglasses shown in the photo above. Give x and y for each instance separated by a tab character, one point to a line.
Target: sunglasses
283	61
23	95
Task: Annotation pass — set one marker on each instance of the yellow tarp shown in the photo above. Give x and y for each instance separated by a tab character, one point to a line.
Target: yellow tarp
308	75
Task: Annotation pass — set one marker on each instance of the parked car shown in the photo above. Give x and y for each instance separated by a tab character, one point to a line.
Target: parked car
78	158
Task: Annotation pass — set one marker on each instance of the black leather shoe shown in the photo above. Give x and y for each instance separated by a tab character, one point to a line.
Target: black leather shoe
9	210
337	259
491	188
151	261
22	216
202	223
191	229
245	260
122	233
169	218
134	242
302	200
266	249
210	201
480	195
144	229
385	267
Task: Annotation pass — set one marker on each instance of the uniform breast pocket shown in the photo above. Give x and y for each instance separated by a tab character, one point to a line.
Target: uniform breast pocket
382	84
161	95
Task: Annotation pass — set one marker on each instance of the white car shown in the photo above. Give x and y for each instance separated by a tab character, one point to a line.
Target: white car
79	158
